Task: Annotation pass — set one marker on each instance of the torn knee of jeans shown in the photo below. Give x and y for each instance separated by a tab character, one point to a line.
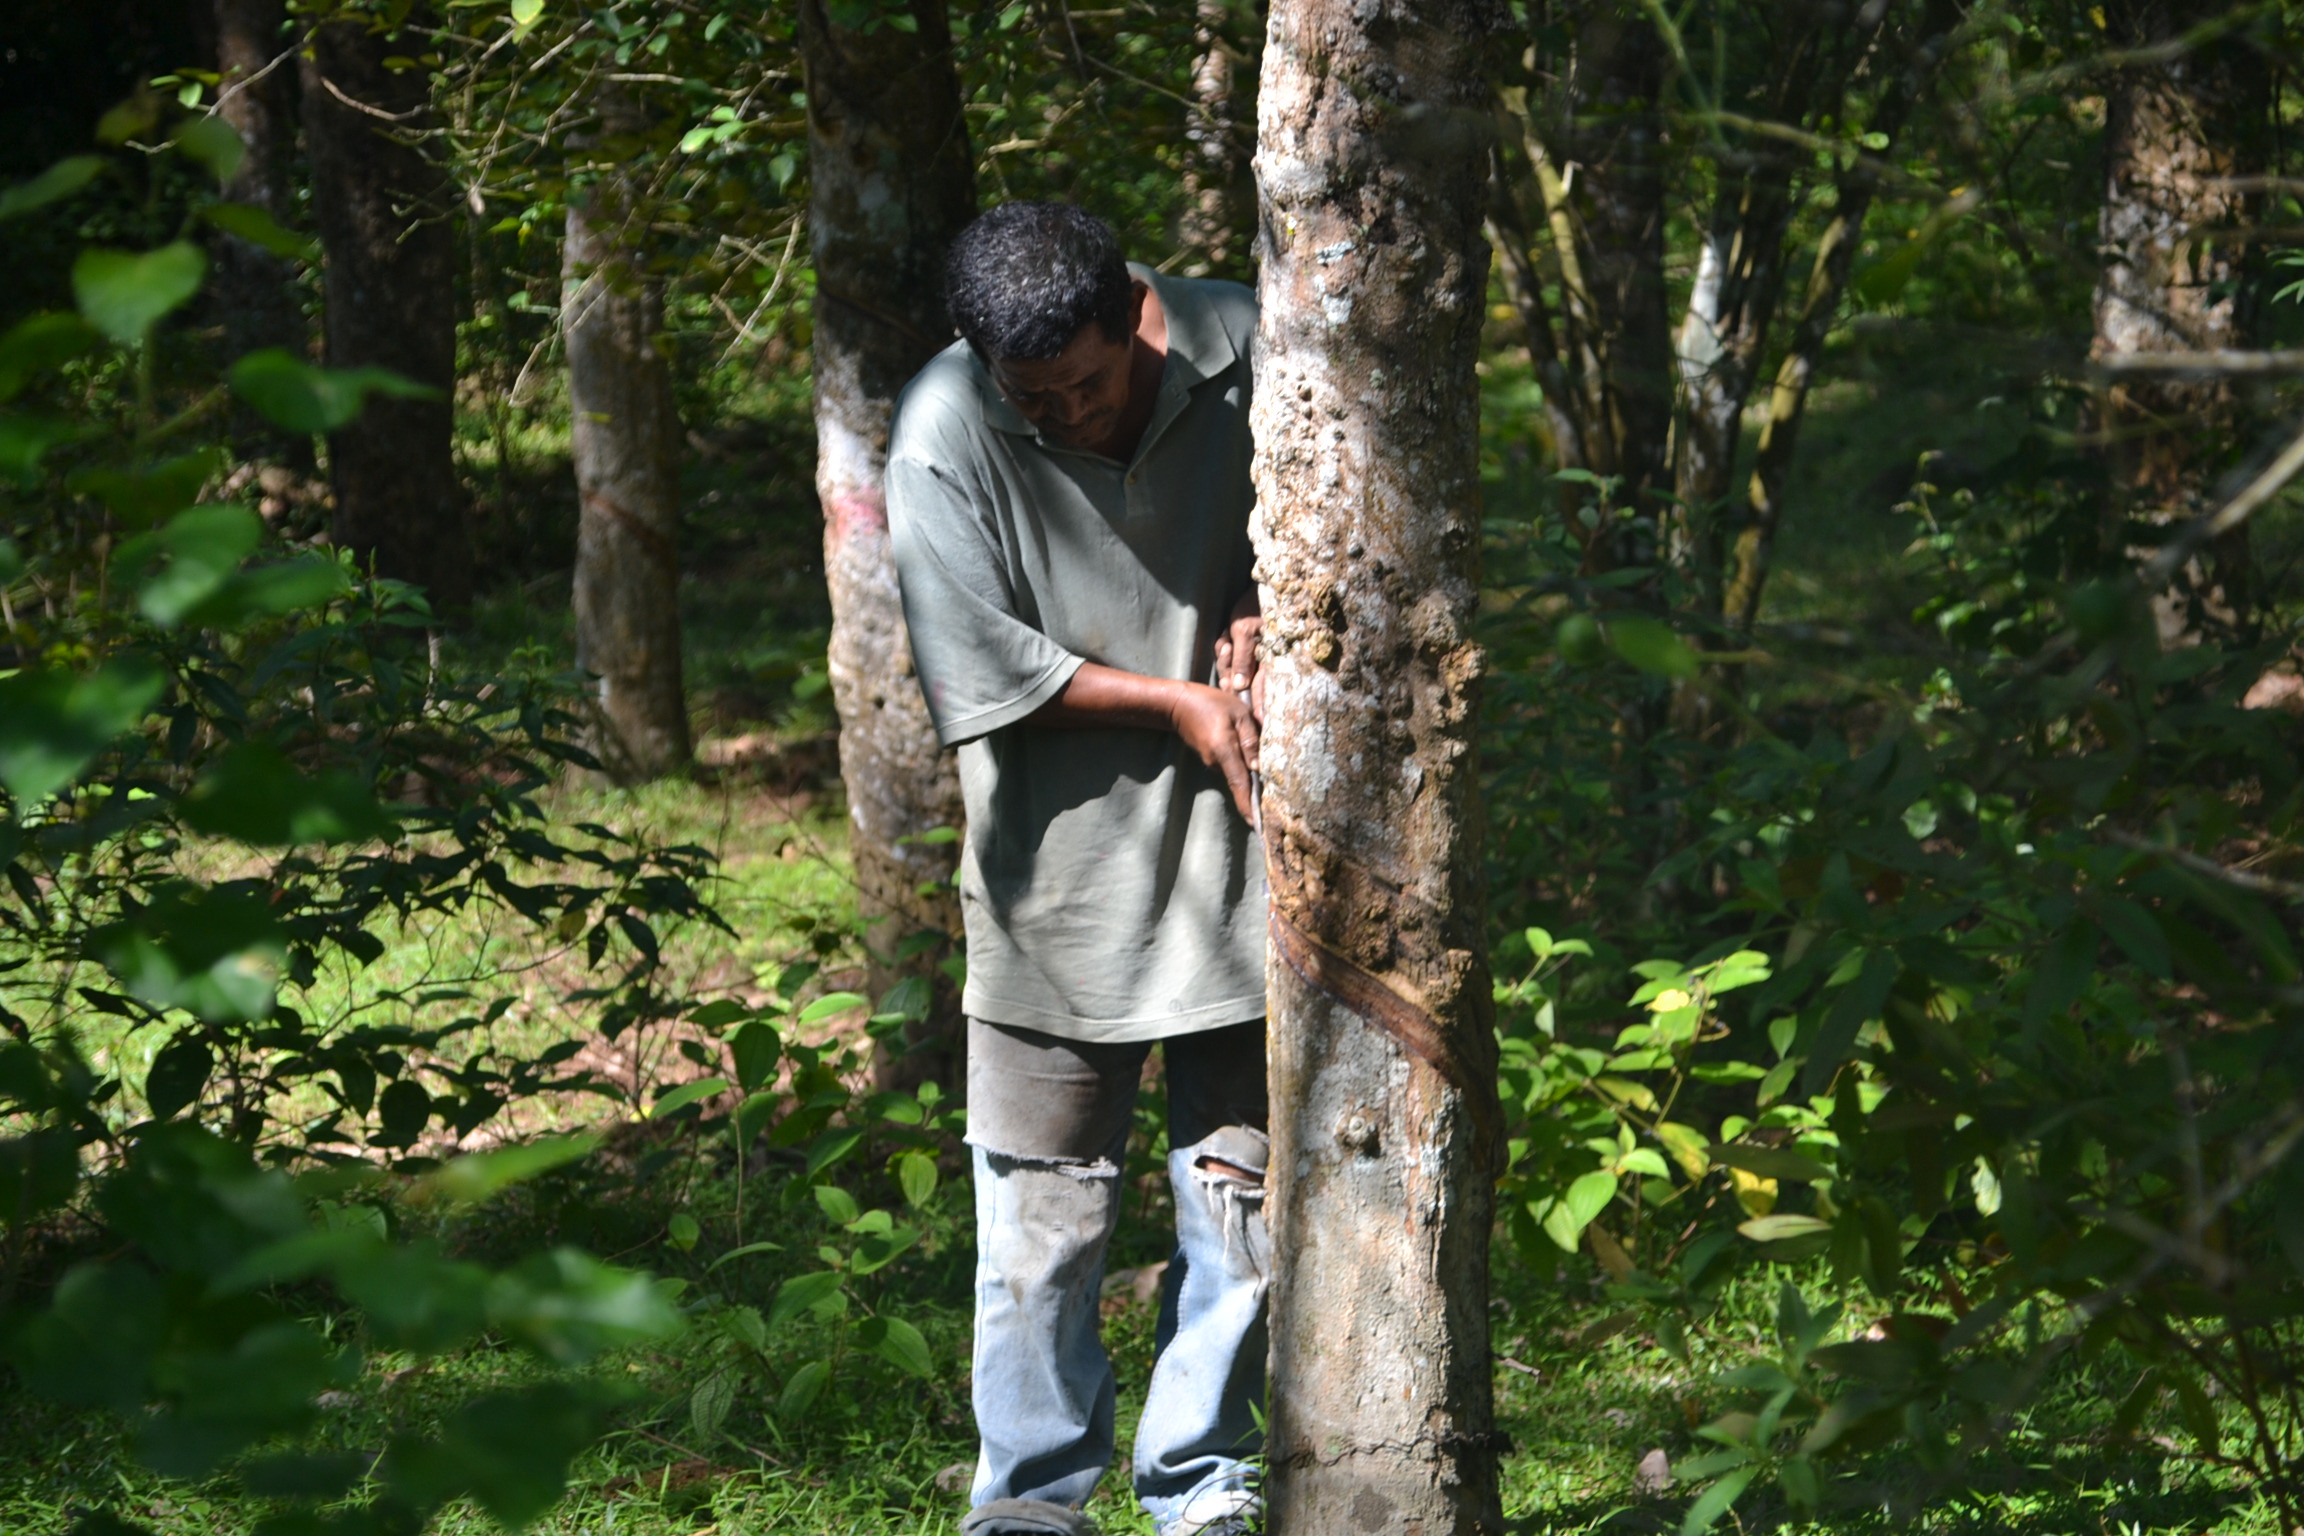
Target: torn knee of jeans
1236	1153
1084	1168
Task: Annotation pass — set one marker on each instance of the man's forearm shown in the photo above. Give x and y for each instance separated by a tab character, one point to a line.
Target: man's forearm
1101	696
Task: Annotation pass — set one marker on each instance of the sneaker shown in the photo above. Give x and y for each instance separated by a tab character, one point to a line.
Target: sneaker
1025	1517
1218	1511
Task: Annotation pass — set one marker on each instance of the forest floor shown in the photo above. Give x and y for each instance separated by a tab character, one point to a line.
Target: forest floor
884	1453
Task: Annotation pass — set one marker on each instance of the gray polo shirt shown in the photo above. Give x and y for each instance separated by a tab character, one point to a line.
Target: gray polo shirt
1111	891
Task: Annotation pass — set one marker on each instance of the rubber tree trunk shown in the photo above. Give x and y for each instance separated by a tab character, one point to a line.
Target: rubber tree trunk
1373	145
253	293
625	438
1219	221
2180	140
385	211
891	182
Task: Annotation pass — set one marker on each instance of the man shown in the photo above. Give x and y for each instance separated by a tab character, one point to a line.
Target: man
1068	495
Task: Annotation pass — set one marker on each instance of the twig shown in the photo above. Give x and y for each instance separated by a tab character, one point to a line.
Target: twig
2264	885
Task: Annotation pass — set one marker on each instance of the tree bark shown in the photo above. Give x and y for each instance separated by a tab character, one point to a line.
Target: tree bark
1219	222
1373	141
891	183
2179	137
385	211
625	438
253	293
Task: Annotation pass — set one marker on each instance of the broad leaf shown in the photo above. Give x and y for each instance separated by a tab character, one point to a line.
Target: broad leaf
124	294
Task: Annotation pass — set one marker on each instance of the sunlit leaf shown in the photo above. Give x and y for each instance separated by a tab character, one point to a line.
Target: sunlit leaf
60	180
124	294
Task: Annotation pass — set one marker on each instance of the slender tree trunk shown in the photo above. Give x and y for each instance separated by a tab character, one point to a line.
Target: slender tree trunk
385	211
2176	136
253	293
1591	135
1219	223
891	183
1372	152
1752	546
625	435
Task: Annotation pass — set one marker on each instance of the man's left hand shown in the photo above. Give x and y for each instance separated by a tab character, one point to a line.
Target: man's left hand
1238	666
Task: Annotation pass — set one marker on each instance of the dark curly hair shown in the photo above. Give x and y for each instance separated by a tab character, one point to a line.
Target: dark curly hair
1024	278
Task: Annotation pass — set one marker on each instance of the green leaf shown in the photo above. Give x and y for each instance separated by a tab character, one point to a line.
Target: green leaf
141	494
1573	1212
814	1292
829	1004
830	1148
477	1176
124	294
38	343
916	1172
1652	646
214	143
256	795
1771	1162
1774	1229
757	1048
1715	1502
60	180
261	230
198	551
2138	933
801	1391
216	952
25	439
743	1253
293	394
53	724
526	13
179	1072
838	1205
686	1094
708	1405
402	1112
1857	1005
897	1342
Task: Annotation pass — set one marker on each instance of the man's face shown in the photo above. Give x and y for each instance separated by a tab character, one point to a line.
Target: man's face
1077	397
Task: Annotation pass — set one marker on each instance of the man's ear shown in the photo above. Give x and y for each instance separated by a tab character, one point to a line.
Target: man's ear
1138	291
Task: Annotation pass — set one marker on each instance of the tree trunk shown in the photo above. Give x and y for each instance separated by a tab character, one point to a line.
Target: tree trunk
1751	547
1373	142
385	212
891	183
2178	137
625	438
1219	223
1592	139
253	293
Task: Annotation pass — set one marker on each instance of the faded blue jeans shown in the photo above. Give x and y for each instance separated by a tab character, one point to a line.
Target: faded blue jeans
1048	1123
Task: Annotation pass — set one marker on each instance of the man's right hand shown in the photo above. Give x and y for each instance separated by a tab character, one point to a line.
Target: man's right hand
1218	726
1222	729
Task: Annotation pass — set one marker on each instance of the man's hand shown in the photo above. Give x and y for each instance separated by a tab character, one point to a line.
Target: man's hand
1222	729
1217	725
1239	668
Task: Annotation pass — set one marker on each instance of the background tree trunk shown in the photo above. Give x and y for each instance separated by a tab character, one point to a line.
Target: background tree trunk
1589	126
1219	223
2177	136
1373	140
252	286
891	183
385	211
625	438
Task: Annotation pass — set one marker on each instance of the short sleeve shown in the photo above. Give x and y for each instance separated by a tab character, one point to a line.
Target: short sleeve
981	667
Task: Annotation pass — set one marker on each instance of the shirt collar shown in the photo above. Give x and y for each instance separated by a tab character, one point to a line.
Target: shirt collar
1198	348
